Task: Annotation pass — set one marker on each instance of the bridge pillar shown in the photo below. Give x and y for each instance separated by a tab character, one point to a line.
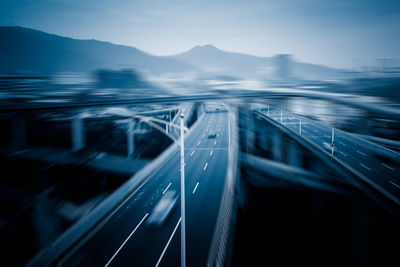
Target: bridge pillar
18	132
277	145
250	132
77	133
264	142
262	135
295	157
131	138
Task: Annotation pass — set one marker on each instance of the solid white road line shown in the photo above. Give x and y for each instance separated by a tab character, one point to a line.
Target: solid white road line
365	166
395	184
99	226
191	154
165	190
169	241
126	240
194	190
359	152
211	152
387	166
205	166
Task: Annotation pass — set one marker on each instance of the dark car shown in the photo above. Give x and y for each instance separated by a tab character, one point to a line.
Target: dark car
211	136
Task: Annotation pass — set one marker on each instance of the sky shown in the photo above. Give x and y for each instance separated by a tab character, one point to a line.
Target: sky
338	33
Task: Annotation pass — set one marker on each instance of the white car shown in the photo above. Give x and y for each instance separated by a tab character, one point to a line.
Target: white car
163	208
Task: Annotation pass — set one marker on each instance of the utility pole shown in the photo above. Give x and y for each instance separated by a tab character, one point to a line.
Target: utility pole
333	140
131	138
183	222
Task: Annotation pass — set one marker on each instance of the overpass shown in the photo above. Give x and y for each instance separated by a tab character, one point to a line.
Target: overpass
117	229
368	166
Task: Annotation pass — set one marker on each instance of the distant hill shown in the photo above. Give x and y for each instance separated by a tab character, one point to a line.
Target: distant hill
212	59
28	50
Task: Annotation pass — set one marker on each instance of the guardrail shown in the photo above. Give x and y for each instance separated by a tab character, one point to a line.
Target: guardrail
374	191
219	242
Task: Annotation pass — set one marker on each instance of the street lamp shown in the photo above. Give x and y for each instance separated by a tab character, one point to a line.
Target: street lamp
333	144
182	145
183	222
300	127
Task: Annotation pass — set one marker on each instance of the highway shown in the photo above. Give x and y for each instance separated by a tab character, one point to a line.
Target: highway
376	165
126	238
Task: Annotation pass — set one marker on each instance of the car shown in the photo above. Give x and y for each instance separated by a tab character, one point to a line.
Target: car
163	209
211	136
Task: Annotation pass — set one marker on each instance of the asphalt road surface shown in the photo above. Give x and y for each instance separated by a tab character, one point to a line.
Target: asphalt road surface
125	238
380	167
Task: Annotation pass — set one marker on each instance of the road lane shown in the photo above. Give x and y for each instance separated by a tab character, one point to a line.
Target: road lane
146	244
200	225
377	164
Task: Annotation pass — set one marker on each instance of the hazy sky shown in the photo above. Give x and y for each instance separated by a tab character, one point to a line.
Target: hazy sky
332	32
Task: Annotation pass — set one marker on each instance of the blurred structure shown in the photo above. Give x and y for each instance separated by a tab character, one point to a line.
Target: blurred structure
283	67
126	78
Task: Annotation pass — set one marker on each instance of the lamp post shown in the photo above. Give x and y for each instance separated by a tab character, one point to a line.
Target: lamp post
333	140
183	222
300	127
182	146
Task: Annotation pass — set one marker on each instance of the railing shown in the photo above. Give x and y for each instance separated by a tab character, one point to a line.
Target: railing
219	244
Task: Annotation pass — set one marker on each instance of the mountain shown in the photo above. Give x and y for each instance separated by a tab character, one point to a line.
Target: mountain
28	50
212	59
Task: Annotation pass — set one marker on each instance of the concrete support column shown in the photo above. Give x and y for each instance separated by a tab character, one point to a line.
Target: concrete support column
264	143
277	145
77	133
131	138
295	156
18	132
250	132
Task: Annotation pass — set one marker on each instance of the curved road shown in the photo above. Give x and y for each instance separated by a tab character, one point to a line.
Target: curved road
124	238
